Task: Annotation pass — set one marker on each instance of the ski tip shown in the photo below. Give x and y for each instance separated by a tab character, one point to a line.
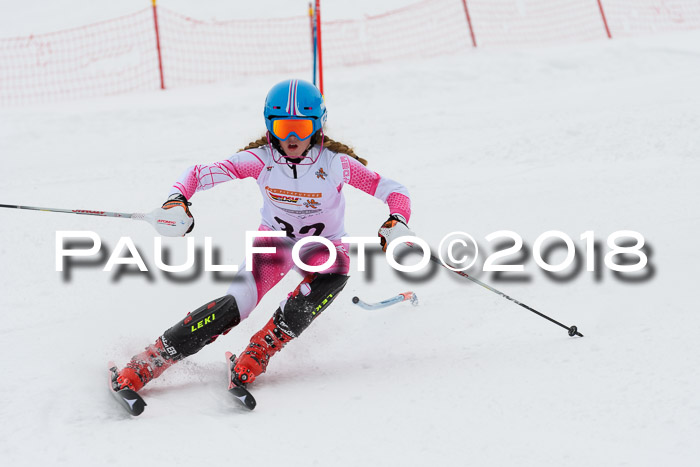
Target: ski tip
132	402
244	397
236	388
127	398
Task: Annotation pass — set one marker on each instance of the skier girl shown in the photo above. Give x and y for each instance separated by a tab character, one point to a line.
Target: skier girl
301	174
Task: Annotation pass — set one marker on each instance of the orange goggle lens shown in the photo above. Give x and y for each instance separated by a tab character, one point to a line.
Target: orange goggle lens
301	127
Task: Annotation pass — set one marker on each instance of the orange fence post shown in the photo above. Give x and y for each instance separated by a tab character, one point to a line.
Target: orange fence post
605	21
469	22
160	58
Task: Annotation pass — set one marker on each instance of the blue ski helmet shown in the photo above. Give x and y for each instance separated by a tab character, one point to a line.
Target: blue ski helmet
294	99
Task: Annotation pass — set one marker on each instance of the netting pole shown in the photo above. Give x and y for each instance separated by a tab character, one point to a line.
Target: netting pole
469	22
318	45
605	21
160	58
313	41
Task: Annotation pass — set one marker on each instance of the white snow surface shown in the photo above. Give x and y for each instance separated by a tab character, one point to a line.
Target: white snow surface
601	137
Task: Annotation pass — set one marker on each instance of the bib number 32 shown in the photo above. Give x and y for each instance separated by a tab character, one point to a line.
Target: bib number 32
289	228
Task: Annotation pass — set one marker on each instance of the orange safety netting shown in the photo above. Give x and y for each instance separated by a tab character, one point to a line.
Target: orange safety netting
120	55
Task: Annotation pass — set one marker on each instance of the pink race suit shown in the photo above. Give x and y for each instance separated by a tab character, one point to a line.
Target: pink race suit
302	201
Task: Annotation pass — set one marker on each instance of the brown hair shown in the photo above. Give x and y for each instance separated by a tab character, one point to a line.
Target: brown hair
334	146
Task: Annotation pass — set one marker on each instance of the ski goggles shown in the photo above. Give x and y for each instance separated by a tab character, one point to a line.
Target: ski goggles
302	128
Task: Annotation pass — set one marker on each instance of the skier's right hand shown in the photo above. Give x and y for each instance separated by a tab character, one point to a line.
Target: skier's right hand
174	218
393	228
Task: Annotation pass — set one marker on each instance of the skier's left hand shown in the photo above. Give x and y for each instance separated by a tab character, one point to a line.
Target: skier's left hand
174	218
392	229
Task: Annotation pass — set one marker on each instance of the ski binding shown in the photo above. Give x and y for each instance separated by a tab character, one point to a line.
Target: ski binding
127	398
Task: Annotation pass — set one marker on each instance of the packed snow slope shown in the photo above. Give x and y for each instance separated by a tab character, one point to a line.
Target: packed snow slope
599	137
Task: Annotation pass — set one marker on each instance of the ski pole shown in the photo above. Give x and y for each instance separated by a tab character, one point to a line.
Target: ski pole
573	330
73	211
402	297
159	220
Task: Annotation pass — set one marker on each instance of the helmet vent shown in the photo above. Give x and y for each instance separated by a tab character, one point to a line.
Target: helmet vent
276	107
307	108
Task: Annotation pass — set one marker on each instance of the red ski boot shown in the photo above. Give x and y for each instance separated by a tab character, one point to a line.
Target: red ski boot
263	345
147	365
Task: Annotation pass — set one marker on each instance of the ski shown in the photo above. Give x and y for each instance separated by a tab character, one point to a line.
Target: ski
237	388
402	297
127	398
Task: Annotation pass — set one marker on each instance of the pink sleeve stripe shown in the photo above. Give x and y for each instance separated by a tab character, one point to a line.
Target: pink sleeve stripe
375	183
231	167
178	186
190	183
399	204
203	177
362	178
244	169
256	156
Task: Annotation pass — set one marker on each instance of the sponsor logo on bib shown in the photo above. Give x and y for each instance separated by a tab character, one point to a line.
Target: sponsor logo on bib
291	197
311	203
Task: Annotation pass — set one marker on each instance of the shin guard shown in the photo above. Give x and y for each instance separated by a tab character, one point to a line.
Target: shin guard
201	327
308	300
